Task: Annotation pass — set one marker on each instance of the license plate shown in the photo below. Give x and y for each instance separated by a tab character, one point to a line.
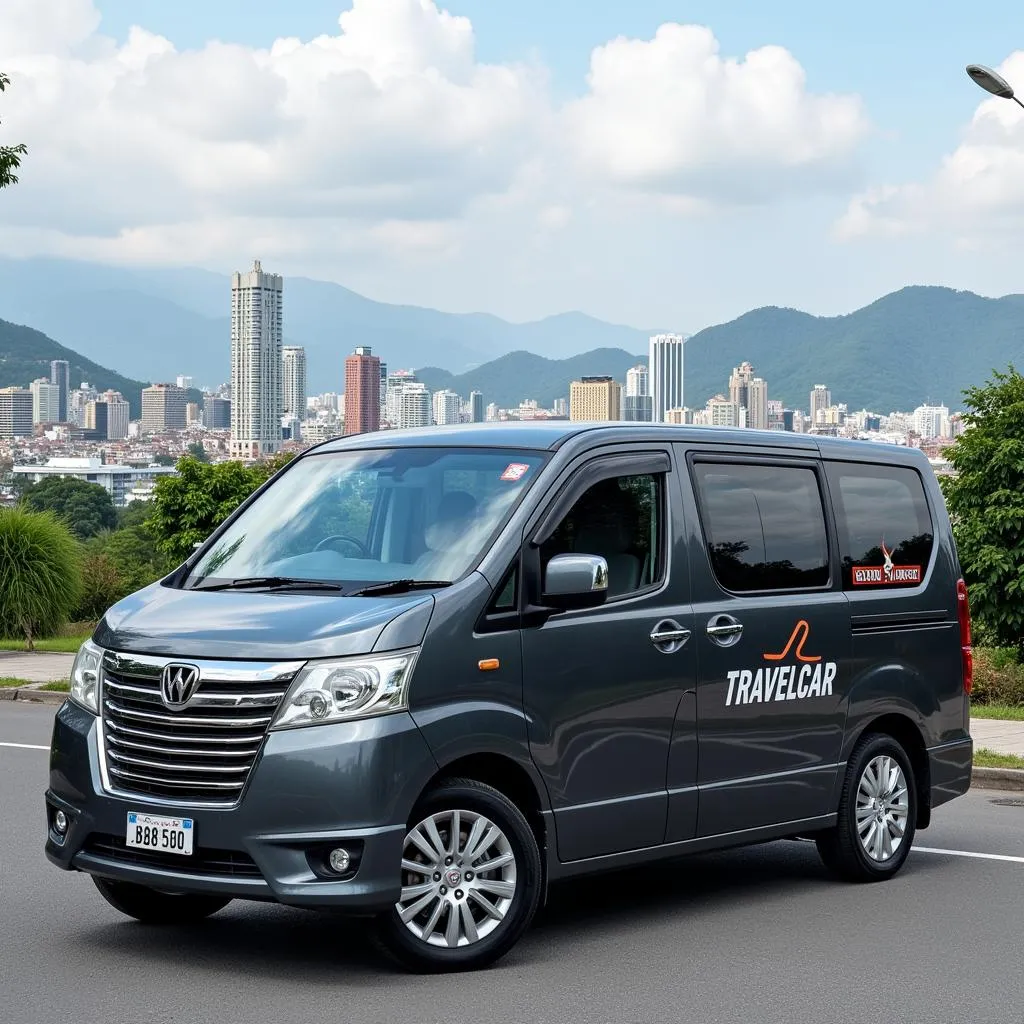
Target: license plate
165	835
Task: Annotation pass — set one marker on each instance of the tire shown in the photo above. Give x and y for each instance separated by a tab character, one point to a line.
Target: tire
444	899
153	907
875	851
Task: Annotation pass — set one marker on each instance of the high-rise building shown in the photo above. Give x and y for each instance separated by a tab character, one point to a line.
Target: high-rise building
723	412
395	383
637	404
163	408
476	407
15	412
118	415
184	382
561	407
293	358
739	385
665	365
60	374
447	408
932	421
362	392
383	391
45	401
78	400
757	404
256	393
216	413
413	402
493	414
595	398
821	399
97	420
776	415
638	382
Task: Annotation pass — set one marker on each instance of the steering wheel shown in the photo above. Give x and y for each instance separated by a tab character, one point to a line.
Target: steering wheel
364	551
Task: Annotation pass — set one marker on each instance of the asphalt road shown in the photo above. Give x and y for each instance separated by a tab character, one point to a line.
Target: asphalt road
753	936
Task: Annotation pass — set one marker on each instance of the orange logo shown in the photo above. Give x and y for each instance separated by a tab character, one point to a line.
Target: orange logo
799	636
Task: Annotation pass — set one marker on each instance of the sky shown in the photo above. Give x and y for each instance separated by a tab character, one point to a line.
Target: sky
660	163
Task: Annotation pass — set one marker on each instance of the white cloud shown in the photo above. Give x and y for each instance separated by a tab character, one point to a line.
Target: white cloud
388	135
977	191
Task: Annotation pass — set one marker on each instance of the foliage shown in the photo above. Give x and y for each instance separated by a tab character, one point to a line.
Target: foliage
998	678
102	585
986	505
10	156
198	452
189	506
25	354
40	573
86	508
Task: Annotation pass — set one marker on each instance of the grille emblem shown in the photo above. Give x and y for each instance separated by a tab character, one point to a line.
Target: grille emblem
178	684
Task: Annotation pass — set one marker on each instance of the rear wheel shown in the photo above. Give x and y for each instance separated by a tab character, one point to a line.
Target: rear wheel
877	814
471	880
150	906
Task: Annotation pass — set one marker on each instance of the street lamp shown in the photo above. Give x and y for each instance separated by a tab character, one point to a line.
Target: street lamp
992	82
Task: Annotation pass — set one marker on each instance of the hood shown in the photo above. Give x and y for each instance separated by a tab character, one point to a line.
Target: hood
161	620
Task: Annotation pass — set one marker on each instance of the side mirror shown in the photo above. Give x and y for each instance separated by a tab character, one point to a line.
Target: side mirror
575	581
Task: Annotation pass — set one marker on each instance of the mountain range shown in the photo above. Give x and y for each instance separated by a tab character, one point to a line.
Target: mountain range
915	345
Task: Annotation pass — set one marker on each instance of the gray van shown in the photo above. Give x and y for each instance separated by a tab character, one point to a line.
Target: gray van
419	676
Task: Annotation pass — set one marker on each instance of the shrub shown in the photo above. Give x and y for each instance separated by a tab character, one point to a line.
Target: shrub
102	586
40	573
998	677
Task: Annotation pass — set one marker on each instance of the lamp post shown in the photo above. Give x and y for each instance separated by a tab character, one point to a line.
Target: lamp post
992	82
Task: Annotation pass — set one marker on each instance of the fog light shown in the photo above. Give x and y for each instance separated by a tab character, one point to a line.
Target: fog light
60	822
339	860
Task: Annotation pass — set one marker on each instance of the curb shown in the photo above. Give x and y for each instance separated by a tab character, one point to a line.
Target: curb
998	778
54	697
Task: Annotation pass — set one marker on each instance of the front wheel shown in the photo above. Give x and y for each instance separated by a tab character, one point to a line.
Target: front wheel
150	906
877	814
471	880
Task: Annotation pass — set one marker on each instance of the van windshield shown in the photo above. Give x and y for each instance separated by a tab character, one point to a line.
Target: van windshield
360	518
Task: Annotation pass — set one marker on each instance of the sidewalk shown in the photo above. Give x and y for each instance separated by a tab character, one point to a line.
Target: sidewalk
1002	737
37	667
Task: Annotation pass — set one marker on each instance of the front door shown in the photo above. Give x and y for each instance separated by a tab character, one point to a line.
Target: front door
772	638
601	686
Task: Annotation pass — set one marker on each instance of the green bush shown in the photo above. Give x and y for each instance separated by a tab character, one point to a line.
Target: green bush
40	574
86	508
998	677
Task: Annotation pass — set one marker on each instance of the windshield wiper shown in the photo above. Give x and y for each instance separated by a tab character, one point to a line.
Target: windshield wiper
272	583
400	587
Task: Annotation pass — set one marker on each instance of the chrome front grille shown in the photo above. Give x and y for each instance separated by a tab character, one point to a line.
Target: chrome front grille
202	753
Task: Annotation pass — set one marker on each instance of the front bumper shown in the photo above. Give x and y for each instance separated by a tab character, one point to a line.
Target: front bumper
351	784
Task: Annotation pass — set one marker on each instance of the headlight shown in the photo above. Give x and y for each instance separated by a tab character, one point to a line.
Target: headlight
85	676
345	688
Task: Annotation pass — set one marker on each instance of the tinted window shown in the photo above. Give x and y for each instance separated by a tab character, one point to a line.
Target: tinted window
619	520
764	526
884	525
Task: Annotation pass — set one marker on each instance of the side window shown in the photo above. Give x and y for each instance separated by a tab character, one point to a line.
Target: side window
764	526
507	597
620	520
884	525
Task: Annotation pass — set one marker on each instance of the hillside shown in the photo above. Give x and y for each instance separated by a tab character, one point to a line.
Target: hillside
916	345
25	355
161	323
522	375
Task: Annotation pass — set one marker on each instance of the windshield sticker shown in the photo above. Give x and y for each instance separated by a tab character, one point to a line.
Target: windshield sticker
805	675
515	471
886	573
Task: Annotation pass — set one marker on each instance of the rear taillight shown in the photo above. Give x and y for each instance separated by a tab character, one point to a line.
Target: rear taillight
963	606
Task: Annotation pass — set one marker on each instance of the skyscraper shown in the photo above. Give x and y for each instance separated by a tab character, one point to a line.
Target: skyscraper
362	392
293	358
476	407
447	408
637	406
256	393
665	364
15	412
164	408
595	398
821	399
413	402
60	374
117	415
216	413
184	382
757	404
739	385
46	401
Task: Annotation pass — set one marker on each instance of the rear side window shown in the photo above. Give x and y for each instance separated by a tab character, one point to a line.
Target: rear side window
764	526
884	524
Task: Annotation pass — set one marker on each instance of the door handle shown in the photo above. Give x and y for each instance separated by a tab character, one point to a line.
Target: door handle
724	630
668	636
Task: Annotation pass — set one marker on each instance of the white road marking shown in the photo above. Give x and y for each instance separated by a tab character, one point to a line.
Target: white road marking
968	853
24	746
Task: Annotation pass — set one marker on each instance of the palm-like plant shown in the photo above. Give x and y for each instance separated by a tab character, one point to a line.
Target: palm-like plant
40	573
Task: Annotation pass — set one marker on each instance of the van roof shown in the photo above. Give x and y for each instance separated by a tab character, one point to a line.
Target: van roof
553	434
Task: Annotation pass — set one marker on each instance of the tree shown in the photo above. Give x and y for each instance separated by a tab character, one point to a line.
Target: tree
86	508
40	573
986	505
198	452
10	156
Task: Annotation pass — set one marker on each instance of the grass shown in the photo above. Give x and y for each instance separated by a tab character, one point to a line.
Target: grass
1004	712
984	758
6	681
61	686
52	645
